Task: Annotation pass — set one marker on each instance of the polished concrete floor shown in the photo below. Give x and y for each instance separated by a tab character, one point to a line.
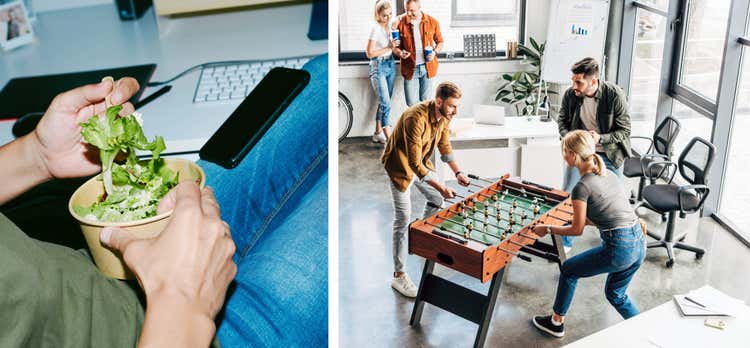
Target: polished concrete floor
371	314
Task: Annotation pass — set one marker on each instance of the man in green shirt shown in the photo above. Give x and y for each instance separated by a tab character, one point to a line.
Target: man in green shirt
601	108
52	295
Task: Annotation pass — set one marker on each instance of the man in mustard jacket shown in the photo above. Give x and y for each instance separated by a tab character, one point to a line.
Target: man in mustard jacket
407	161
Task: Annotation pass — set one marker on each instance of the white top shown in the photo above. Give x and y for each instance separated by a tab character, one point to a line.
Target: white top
588	117
418	47
381	38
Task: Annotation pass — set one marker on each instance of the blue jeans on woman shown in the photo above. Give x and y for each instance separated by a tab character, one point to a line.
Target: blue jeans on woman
383	77
419	87
572	177
621	253
276	203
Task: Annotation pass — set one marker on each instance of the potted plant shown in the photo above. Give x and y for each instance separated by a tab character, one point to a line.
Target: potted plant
524	90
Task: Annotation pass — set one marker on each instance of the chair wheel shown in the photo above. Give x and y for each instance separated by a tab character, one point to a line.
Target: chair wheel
670	263
698	256
663	218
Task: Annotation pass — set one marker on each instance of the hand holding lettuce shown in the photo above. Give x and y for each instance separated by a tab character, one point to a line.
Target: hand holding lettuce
133	188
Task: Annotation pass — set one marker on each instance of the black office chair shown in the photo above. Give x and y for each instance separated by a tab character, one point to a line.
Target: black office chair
660	149
694	164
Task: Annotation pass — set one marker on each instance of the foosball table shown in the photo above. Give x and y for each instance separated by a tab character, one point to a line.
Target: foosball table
479	235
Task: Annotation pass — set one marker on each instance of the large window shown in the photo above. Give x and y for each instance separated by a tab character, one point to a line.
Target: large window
704	37
457	18
648	49
735	200
693	124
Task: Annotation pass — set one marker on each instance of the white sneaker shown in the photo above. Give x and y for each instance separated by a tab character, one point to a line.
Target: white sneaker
404	285
567	249
378	138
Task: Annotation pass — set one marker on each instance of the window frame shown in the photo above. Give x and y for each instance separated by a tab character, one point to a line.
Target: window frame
360	56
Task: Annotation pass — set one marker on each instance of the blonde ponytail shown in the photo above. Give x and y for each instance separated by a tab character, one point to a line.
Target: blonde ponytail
581	143
600	167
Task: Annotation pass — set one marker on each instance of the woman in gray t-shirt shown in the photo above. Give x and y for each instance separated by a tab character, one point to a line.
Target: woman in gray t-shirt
601	200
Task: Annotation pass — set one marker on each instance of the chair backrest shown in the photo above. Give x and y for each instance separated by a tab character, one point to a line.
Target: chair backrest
665	135
695	161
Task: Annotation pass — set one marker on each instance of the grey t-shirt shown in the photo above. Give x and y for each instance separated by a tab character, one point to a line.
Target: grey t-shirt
607	204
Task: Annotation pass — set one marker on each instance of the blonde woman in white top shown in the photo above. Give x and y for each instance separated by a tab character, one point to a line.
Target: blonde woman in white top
382	68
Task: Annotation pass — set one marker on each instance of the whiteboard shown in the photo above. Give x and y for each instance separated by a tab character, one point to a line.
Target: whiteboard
577	29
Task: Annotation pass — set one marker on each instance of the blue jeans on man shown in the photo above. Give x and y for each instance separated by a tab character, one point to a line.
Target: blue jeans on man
419	88
383	77
571	178
621	254
276	203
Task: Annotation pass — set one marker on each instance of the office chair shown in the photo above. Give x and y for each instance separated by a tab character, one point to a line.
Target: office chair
660	149
694	164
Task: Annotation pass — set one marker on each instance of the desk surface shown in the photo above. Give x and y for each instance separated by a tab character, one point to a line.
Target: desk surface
514	128
93	37
664	327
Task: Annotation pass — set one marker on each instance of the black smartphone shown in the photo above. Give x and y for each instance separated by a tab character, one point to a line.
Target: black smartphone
255	115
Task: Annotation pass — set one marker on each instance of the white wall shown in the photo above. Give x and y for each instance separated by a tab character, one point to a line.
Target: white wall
478	80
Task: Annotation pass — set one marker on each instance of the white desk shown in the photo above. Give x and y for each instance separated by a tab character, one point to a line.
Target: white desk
530	149
664	327
91	38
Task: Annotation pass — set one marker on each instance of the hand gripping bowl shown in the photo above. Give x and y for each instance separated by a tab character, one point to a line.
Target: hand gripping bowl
108	261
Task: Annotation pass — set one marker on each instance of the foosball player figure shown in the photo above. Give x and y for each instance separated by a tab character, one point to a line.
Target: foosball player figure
515	203
536	208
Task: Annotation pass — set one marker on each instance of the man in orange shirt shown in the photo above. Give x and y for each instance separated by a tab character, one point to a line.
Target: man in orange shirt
419	64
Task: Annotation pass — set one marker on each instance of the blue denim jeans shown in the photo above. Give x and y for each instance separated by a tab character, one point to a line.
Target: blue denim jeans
571	178
420	86
620	255
383	77
276	203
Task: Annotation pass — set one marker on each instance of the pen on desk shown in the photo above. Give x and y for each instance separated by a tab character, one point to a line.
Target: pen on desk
152	96
693	301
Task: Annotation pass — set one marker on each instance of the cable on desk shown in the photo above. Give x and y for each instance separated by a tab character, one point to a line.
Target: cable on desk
199	66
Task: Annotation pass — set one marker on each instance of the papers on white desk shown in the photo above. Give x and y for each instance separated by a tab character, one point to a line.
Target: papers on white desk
715	303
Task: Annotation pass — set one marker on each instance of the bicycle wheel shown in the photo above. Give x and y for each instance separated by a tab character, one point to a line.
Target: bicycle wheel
346	116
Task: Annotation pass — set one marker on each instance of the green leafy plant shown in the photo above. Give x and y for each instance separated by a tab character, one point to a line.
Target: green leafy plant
133	188
521	88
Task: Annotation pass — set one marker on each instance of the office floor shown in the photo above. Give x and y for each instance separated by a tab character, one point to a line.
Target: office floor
373	315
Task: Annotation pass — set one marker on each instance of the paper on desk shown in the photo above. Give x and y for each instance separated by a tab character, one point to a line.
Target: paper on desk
716	301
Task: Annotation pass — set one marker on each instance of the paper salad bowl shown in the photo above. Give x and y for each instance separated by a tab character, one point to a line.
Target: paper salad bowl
108	261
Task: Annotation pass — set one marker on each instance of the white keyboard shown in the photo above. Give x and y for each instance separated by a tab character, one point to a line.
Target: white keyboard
235	81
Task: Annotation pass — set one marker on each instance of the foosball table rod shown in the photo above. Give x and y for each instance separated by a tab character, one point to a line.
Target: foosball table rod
548	213
476	177
517	254
521	198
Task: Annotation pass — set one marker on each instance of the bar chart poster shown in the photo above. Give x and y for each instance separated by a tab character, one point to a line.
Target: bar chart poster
578	30
580	17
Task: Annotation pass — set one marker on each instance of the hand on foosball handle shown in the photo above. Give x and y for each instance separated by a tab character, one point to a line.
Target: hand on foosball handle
540	230
463	180
447	192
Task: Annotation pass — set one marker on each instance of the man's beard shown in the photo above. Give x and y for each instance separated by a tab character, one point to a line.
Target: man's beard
444	112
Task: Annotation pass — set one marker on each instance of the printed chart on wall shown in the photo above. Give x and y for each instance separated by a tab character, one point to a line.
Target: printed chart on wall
578	31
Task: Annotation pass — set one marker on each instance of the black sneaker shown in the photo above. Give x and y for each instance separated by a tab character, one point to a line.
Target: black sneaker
545	324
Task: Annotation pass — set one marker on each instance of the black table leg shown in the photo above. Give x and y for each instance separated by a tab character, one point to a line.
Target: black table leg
494	290
416	314
456	299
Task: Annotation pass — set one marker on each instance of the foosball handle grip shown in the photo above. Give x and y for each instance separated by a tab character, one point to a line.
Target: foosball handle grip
445	235
472	176
430	204
524	257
